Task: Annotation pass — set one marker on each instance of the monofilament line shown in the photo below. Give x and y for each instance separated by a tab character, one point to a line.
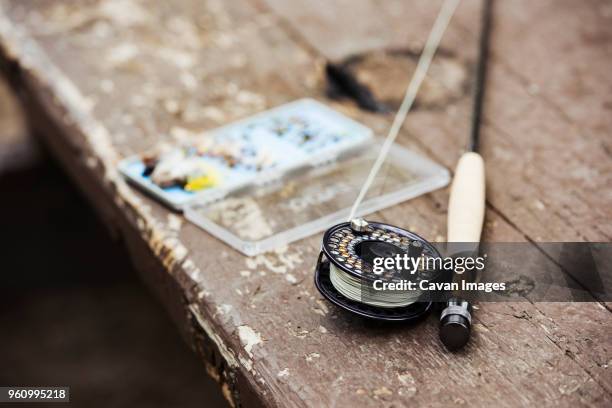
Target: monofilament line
438	29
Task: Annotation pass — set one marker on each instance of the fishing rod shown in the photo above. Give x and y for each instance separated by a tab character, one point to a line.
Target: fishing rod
466	204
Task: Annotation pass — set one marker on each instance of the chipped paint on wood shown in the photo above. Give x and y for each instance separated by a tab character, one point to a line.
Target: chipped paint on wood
225	351
249	338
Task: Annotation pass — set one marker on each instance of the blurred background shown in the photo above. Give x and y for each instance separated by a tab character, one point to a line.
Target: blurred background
72	310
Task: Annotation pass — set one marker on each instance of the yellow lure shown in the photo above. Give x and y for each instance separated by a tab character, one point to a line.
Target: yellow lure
202	182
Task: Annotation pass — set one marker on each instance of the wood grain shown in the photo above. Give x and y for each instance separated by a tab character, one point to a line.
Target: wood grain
101	83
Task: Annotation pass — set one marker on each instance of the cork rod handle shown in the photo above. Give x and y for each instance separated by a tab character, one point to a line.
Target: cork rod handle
466	205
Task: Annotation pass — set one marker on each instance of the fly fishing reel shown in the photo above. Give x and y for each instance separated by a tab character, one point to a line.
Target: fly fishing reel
346	274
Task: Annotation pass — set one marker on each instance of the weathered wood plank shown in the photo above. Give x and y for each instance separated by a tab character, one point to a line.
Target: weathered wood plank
198	64
547	111
509	82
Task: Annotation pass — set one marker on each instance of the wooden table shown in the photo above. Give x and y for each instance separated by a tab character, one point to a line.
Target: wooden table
105	79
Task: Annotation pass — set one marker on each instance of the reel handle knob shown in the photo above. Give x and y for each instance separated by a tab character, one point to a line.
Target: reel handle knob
455	324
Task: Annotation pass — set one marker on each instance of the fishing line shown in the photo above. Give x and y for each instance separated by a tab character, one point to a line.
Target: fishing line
354	289
433	41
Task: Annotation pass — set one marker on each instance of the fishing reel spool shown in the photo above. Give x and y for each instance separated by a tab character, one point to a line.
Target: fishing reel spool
345	276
